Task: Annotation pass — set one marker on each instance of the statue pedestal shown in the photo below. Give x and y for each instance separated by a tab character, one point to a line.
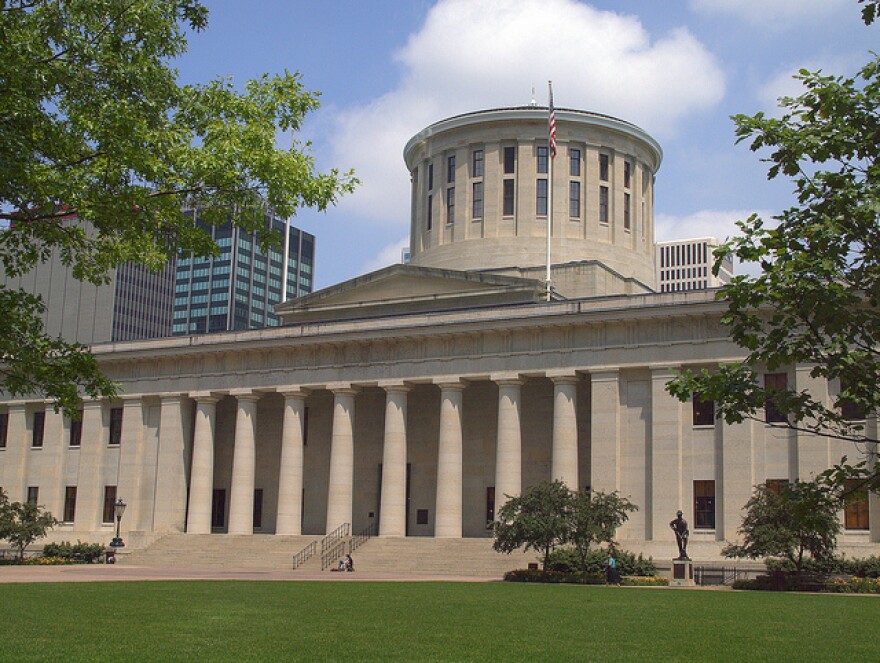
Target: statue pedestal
682	573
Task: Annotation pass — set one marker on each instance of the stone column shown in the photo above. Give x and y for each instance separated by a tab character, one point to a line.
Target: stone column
90	478
52	471
565	435
448	513
809	454
392	513
605	435
290	473
14	456
665	492
508	453
244	463
341	488
201	480
170	512
132	462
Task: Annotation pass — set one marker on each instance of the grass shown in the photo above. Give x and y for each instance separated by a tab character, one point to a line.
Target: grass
363	621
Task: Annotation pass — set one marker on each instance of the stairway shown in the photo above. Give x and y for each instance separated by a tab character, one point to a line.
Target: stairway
393	556
220	550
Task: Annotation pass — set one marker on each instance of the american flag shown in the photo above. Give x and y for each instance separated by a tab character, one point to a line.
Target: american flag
552	124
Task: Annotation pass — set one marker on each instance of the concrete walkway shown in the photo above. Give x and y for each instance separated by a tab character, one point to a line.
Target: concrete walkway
125	573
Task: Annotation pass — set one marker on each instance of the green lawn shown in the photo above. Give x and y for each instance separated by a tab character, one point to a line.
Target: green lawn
358	621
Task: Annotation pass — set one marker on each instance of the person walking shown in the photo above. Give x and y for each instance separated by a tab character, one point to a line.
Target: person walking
612	576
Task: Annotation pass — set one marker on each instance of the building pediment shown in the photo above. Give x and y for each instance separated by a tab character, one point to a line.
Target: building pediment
402	289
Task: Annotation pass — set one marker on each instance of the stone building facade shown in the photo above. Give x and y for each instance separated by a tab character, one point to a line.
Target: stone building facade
416	398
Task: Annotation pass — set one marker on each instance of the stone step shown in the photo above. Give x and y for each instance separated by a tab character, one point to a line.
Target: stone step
404	555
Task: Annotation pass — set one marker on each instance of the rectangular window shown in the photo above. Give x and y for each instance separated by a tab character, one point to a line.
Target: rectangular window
508	206
509	160
541	197
450	169
477	164
421	516
777	486
626	220
258	508
430	216
704	411
626	174
478	200
704	504
855	505
33	494
430	176
76	429
490	506
542	159
4	428
603	167
116	424
39	426
848	410
450	205
69	504
574	162
603	204
774	382
109	504
574	200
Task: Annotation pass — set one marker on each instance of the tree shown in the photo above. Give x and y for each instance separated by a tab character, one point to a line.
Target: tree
97	127
594	518
22	523
816	300
537	519
800	518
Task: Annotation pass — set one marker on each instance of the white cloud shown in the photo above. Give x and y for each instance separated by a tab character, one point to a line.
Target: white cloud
719	224
475	54
772	14
783	83
389	255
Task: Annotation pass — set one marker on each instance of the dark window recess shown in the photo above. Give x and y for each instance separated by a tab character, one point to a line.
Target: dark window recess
490	505
76	427
421	516
509	160
115	426
855	505
704	411
704	504
258	508
33	494
4	428
774	382
508	206
39	427
69	504
109	504
603	167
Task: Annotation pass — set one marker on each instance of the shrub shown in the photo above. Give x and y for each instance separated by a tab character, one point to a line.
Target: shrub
567	560
85	553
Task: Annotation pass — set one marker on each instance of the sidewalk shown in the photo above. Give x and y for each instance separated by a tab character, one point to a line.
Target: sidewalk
125	573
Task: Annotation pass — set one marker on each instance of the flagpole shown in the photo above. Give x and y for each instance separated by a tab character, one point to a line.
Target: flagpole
551	155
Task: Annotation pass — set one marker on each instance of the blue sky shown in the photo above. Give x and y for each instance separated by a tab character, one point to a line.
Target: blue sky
388	68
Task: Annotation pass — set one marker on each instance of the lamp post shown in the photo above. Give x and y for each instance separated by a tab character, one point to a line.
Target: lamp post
119	509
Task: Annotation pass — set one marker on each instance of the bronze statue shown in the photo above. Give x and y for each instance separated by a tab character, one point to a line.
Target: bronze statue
680	527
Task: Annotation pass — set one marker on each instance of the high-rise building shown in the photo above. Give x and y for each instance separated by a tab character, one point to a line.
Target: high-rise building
686	264
239	288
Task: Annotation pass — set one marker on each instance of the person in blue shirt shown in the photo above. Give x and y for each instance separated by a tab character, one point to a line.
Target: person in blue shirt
611	573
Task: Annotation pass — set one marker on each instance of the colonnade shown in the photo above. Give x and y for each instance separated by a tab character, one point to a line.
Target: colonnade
448	518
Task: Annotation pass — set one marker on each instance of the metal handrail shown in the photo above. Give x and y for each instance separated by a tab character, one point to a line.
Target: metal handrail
332	555
361	537
333	537
303	555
